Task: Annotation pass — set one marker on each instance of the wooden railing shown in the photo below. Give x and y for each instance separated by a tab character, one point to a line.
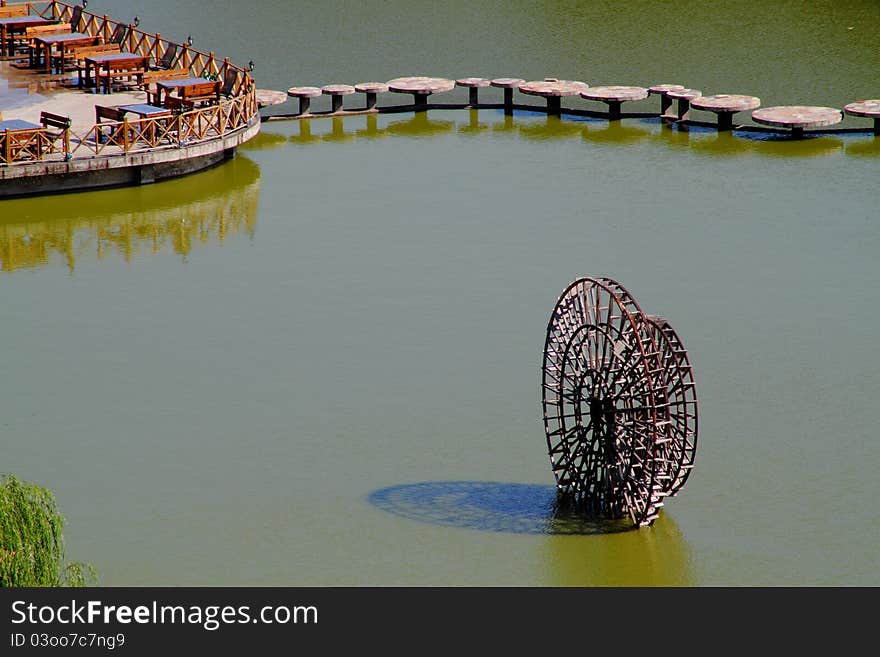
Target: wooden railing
211	122
201	124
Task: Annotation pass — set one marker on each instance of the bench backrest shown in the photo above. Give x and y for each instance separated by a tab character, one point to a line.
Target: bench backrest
43	30
170	74
207	90
167	59
100	49
76	16
13	10
54	121
108	113
119	34
178	104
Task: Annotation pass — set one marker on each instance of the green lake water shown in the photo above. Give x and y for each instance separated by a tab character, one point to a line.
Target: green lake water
318	364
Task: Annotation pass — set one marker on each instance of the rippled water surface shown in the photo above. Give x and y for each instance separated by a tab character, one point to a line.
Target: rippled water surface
318	363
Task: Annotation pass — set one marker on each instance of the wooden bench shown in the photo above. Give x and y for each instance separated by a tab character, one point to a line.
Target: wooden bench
133	69
77	57
32	33
13	11
178	105
114	133
61	125
149	79
43	30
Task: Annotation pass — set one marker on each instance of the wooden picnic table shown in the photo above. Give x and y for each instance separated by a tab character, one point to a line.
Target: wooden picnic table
17	136
109	66
63	41
17	25
147	111
191	89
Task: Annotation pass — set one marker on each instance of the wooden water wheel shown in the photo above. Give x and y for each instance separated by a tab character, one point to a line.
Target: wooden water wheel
619	402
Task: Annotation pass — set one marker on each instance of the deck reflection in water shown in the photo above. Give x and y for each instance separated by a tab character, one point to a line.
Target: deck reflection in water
175	215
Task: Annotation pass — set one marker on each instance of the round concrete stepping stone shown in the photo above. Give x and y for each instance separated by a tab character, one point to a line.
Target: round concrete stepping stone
371	89
615	93
422	86
725	106
268	97
726	103
614	97
870	108
305	95
473	86
507	83
474	83
553	88
684	94
336	92
866	108
663	89
798	117
304	92
684	98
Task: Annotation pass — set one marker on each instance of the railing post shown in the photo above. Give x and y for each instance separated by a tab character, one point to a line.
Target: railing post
157	47
212	65
105	28
184	55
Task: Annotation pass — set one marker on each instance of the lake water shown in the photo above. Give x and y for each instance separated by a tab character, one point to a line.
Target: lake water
318	364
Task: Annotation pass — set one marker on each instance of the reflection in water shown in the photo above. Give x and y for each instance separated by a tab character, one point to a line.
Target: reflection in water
553	128
171	215
654	556
864	146
489	506
579	551
337	131
780	145
420	126
473	125
613	132
539	126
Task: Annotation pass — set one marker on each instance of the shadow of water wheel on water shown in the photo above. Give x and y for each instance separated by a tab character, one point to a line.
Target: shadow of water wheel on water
490	506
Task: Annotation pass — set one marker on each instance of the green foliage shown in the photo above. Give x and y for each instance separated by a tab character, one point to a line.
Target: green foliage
31	540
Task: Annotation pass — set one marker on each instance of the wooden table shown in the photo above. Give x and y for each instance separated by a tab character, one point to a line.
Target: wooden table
109	66
18	24
16	136
63	41
146	111
192	89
